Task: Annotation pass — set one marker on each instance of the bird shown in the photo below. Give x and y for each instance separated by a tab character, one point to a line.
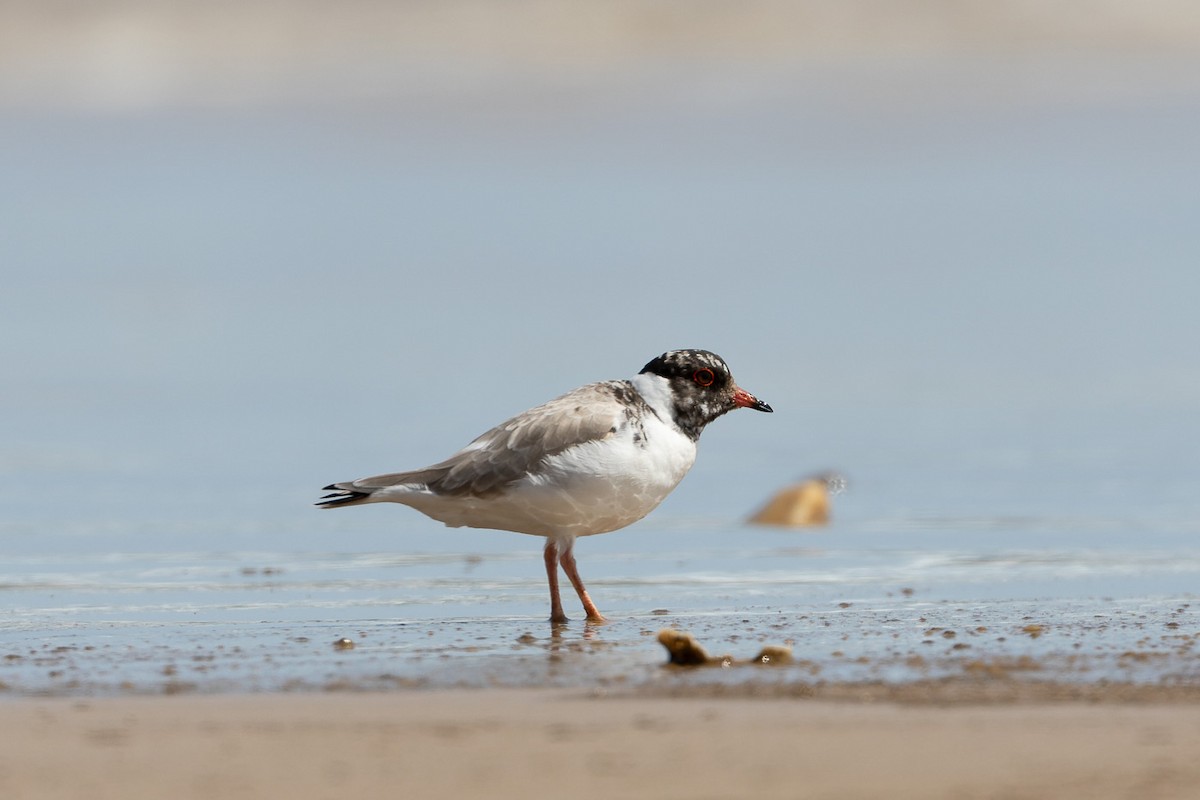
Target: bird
591	461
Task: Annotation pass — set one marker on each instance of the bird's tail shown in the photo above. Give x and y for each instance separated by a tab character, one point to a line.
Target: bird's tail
343	494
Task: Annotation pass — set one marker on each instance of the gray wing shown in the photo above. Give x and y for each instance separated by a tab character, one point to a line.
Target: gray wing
511	449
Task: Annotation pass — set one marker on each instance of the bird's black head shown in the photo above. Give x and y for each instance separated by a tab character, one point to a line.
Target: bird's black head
702	388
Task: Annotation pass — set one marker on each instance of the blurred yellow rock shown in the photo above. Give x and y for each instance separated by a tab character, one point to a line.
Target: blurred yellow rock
682	648
804	504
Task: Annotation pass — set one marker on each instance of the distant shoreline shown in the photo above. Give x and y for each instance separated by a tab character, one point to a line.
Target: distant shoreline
129	55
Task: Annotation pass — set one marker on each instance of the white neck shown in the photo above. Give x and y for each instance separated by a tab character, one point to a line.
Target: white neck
656	391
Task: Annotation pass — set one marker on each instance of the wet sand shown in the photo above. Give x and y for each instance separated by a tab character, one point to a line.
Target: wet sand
520	743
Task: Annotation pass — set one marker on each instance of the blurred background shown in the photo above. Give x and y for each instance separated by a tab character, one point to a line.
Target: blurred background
249	248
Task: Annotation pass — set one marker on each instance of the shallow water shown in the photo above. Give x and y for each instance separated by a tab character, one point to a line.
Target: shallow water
927	600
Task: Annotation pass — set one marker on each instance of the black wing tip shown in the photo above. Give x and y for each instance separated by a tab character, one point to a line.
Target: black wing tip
340	497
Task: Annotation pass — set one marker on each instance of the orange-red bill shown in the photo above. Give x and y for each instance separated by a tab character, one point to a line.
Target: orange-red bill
743	399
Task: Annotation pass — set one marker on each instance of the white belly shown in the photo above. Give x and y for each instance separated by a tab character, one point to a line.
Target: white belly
591	488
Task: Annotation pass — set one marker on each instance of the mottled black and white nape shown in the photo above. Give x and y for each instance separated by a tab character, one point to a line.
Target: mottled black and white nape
591	461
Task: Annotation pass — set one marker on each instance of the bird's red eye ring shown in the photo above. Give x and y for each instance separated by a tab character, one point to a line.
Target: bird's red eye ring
704	377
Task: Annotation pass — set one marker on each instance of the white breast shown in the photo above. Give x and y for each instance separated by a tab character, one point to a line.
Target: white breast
608	484
591	488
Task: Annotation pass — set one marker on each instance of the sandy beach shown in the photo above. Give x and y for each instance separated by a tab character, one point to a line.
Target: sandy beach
522	743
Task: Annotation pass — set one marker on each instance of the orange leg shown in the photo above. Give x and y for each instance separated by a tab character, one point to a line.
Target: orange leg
567	559
551	555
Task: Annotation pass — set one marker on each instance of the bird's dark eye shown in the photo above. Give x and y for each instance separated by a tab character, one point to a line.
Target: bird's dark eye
704	377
